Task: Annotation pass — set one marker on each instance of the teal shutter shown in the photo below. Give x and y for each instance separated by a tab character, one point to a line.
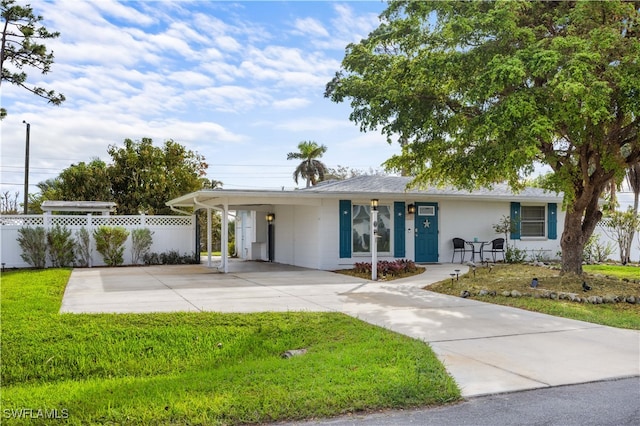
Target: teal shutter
345	228
515	220
552	221
398	229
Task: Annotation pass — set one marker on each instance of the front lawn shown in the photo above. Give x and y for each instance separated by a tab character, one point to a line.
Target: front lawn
199	368
631	272
554	292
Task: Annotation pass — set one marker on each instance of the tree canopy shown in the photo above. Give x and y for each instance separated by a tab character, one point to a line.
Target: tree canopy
21	48
311	169
141	178
480	92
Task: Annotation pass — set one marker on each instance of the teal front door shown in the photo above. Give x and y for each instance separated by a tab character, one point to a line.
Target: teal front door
426	234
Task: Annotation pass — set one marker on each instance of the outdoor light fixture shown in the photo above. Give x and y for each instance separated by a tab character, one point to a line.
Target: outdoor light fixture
373	239
271	217
411	208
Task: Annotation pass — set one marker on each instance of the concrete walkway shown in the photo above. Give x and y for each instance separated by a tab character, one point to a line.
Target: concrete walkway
487	348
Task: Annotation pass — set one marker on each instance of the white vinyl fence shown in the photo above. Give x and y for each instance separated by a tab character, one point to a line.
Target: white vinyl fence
170	233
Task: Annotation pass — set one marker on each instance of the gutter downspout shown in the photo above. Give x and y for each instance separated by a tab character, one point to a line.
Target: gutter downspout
180	211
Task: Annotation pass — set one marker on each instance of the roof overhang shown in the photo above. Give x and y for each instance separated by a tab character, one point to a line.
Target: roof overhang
260	199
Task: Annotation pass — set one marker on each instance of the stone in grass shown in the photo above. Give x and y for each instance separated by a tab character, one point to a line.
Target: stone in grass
631	299
506	293
515	293
465	293
595	300
610	298
293	352
483	292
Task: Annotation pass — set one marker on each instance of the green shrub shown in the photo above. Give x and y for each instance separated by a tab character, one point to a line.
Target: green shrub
232	248
596	252
83	247
33	243
110	243
171	257
141	240
515	255
60	246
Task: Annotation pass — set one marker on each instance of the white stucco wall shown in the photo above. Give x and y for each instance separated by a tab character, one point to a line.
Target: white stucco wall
297	236
471	219
308	236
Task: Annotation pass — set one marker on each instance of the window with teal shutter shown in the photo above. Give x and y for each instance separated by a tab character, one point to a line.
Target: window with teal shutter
515	220
345	228
552	221
398	229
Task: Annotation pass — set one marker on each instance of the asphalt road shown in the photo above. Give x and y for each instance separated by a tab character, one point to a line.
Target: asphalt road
608	403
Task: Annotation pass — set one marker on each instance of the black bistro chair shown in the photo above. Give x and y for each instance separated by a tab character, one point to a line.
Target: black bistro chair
495	246
462	247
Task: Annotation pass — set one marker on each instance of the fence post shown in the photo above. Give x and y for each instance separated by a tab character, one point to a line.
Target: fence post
90	231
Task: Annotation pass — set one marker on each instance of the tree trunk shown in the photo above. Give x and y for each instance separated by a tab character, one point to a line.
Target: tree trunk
579	225
572	244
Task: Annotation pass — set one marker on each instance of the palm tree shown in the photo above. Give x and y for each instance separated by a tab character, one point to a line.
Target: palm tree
311	169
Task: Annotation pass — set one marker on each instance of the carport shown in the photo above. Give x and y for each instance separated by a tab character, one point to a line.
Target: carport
226	201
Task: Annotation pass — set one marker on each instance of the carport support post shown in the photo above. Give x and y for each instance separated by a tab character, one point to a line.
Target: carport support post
208	238
225	238
374	240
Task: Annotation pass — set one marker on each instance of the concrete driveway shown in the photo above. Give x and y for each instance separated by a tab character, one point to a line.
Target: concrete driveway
487	348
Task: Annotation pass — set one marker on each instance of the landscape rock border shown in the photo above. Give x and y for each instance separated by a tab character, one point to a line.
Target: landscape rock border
556	295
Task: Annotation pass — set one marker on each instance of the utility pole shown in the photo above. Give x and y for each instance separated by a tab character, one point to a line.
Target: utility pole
26	170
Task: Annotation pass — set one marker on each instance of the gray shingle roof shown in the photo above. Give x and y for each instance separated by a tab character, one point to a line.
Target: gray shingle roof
398	185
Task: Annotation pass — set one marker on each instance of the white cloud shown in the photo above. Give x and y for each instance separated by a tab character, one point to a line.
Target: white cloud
311	26
190	78
121	11
291	103
225	79
227	43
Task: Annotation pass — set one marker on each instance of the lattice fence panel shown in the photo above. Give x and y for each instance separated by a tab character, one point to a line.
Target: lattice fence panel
21	220
170	233
168	220
69	221
125	221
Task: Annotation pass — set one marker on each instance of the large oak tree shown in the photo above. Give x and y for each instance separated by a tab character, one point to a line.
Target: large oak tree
480	92
141	178
144	177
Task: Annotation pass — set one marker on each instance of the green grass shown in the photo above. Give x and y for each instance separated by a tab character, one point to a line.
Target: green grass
201	368
630	272
518	277
213	253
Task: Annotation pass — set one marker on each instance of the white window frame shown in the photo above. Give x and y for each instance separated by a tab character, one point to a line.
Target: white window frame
426	210
384	221
542	221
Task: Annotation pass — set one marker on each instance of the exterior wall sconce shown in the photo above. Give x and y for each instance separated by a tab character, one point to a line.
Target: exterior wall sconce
411	208
374	204
271	217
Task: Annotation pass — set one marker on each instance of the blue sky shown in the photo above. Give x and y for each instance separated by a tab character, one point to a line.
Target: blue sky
240	82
